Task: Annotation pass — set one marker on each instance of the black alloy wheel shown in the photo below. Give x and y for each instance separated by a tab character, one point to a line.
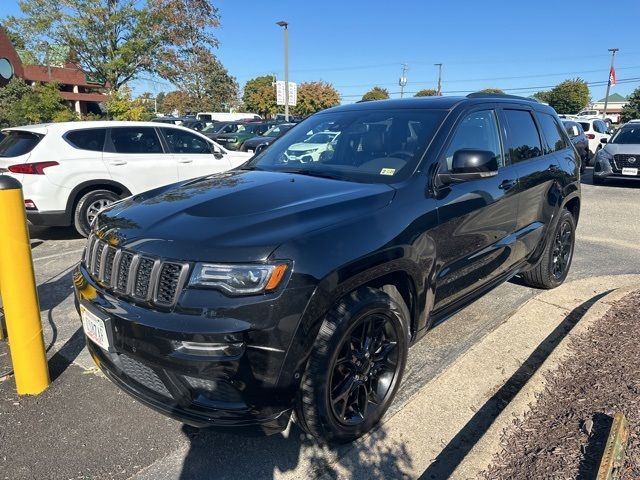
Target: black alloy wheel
364	370
562	249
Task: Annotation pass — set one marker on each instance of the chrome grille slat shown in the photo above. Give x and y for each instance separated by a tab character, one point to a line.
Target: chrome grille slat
141	277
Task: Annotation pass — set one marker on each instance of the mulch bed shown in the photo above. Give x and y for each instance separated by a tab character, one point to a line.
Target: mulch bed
563	437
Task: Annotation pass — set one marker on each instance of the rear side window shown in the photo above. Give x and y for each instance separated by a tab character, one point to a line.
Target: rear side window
599	126
18	143
135	140
89	139
552	133
185	142
523	140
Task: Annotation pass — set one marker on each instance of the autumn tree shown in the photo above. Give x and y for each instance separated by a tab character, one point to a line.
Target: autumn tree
315	96
177	101
495	91
376	93
260	96
117	40
426	92
121	106
569	96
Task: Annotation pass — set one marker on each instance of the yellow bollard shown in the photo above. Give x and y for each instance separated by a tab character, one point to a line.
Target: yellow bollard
19	295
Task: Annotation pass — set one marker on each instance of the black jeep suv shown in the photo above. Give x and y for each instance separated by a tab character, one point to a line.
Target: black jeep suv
297	285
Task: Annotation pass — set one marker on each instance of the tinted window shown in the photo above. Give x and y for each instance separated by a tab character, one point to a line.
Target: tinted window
478	131
571	128
586	126
522	138
135	140
600	127
185	142
373	146
627	135
552	134
18	143
90	139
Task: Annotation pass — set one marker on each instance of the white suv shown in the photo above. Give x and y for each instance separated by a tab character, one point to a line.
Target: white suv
70	171
595	129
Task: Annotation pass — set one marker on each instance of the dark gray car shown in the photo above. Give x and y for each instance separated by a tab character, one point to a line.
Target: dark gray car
579	141
620	156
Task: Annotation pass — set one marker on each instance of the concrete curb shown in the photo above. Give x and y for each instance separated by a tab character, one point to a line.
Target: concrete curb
481	455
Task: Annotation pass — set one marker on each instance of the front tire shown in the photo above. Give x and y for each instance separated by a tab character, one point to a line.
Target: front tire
356	365
553	267
88	207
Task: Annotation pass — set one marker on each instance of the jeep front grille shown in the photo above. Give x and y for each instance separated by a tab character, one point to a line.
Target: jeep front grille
142	277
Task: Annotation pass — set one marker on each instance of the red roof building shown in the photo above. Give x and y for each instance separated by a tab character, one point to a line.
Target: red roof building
76	87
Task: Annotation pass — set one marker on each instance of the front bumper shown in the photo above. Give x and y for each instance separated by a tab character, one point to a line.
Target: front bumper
240	389
607	167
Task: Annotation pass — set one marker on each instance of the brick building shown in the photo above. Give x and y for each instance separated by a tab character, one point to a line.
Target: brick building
76	87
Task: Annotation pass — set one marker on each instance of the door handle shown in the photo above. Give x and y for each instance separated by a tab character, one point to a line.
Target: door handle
507	184
185	160
553	168
118	162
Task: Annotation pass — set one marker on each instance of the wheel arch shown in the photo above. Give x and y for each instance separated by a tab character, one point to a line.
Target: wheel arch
98	184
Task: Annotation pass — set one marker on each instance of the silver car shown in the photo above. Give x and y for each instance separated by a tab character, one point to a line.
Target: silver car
620	155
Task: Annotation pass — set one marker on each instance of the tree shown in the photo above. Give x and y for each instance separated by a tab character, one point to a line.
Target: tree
632	109
21	104
492	90
160	101
116	40
315	96
121	106
570	96
542	96
426	92
260	96
177	101
376	93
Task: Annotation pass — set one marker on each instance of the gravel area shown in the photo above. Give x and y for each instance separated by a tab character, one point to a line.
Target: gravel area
563	437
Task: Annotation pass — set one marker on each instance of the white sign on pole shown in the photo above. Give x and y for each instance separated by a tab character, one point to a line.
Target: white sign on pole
293	93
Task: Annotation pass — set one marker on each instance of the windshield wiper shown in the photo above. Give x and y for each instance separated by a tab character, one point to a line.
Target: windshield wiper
311	173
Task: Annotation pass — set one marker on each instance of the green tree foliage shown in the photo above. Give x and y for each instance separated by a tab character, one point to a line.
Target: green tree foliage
315	96
260	96
21	104
116	40
426	92
570	96
376	93
632	109
542	96
492	90
121	106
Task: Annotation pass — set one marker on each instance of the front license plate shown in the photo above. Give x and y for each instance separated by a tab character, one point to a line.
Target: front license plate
630	171
94	328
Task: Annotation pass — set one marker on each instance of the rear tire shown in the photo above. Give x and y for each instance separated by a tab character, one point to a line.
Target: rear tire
553	267
88	207
356	365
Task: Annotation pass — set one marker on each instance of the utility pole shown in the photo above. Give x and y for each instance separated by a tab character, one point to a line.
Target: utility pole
606	98
403	78
439	90
285	25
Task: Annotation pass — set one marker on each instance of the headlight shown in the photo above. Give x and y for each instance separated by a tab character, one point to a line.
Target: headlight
238	279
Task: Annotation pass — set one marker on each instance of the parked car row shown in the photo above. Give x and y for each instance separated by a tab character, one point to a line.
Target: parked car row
70	171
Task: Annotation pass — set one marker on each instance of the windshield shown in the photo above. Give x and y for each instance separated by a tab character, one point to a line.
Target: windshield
373	146
629	135
276	130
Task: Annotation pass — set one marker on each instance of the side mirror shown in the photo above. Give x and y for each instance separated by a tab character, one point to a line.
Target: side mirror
470	165
604	140
217	153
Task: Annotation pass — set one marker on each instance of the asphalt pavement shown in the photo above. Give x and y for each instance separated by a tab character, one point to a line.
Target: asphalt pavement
87	428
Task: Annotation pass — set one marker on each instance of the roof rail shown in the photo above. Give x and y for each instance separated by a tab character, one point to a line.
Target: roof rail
500	95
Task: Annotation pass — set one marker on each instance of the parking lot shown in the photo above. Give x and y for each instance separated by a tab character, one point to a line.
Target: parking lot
141	443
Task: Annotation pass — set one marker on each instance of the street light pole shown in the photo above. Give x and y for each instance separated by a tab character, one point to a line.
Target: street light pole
606	97
439	91
403	78
285	25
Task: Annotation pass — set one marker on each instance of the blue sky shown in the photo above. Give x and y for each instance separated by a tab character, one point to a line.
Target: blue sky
358	44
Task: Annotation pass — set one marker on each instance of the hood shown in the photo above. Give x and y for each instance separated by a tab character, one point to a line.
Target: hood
236	216
304	147
623	148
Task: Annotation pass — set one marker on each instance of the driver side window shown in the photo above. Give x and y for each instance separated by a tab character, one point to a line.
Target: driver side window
478	131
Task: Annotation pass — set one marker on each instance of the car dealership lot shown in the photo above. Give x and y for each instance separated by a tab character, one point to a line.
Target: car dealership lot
87	427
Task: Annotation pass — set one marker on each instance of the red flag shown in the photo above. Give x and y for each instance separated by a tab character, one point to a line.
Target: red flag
612	76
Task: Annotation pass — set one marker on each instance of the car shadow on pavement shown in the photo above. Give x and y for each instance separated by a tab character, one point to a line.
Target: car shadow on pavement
220	454
460	445
52	233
